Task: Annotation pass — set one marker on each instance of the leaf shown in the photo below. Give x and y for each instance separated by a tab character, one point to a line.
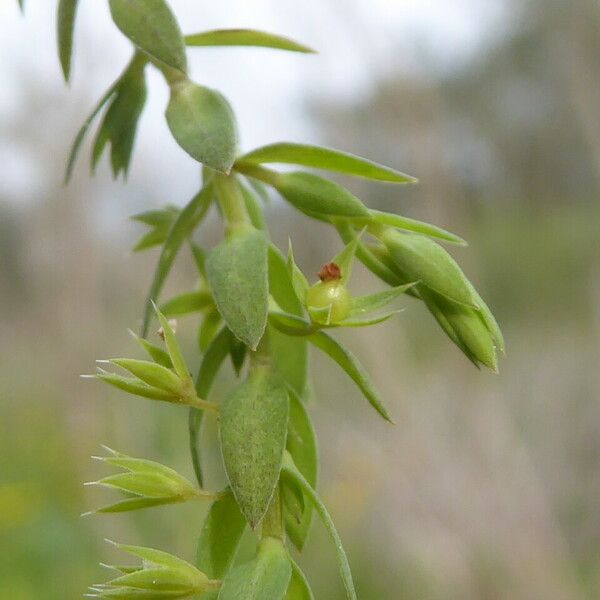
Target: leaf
308	192
489	319
416	227
158	355
297	277
265	577
157	580
67	10
203	124
187	303
253	207
290	355
352	367
154	375
299	588
152	27
220	537
421	259
152	485
158	558
367	322
345	258
208	328
290	470
237	274
157	217
237	351
302	446
135	387
327	159
245	37
371	302
137	504
292	325
254	421
183	226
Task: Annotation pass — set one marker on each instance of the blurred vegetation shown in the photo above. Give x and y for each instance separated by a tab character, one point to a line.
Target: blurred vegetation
488	488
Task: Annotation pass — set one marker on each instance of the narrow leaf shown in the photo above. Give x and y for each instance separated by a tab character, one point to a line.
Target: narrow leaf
135	387
299	588
297	277
352	367
185	304
150	373
245	37
345	258
137	504
364	304
208	328
203	124
327	159
366	322
158	355
237	274
67	10
152	27
253	431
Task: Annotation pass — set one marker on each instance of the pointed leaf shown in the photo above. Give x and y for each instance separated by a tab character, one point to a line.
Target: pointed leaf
152	27
364	304
352	367
327	159
208	328
299	588
265	577
292	325
297	277
221	534
203	124
152	485
135	387
158	355
367	322
67	10
150	373
253	207
185	304
488	319
158	580
137	504
244	37
154	218
159	558
253	431
290	470
345	258
237	273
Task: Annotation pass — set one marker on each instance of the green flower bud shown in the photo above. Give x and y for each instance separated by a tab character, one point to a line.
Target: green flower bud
328	301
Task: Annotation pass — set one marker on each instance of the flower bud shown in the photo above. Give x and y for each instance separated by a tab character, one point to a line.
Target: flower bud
328	301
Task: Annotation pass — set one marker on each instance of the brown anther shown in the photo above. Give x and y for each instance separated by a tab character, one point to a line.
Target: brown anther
172	325
330	272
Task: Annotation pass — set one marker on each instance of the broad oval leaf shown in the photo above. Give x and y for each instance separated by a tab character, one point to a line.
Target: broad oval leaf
421	259
237	274
67	10
203	124
265	577
308	192
220	537
153	28
327	159
253	428
245	37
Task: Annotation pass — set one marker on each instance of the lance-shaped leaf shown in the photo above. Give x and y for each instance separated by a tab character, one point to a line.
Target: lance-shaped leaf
159	222
67	10
290	471
119	125
208	328
266	576
348	362
371	302
173	347
245	37
237	274
302	446
345	258
327	159
416	226
203	124
157	354
151	373
253	429
220	537
186	303
253	207
153	28
182	227
135	387
421	259
299	588
308	192
299	281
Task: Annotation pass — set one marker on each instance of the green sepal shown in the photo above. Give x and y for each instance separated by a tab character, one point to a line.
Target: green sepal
367	321
245	37
153	28
65	25
345	258
157	354
135	387
297	277
253	428
237	274
208	328
150	373
371	302
299	588
203	124
325	158
132	504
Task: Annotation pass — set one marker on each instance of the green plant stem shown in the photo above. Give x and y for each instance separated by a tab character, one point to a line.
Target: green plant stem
231	201
257	172
272	523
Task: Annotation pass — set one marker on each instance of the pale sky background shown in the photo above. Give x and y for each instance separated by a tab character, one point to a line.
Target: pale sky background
359	42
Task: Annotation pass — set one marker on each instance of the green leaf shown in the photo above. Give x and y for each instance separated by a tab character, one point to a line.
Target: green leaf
173	347
158	580
253	430
265	577
158	355
135	387
120	122
220	537
297	277
345	258
183	226
157	217
290	470
152	27
327	159
302	446
489	319
352	367
238	352
245	37
187	303
299	588
67	10
367	322
150	373
137	504
364	304
208	328
253	207
292	325
203	124
152	485
308	192
237	274
159	558
421	259
416	226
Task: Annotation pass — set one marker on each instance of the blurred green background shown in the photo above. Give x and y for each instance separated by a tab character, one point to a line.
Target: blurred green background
488	487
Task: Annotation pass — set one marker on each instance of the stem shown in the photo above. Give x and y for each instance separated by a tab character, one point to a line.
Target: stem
258	172
231	201
194	424
203	404
272	523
